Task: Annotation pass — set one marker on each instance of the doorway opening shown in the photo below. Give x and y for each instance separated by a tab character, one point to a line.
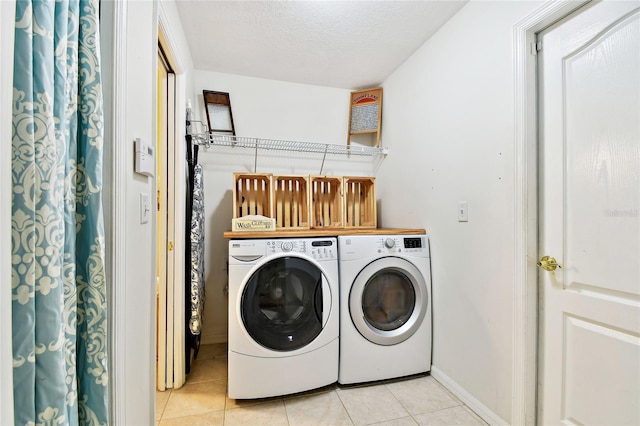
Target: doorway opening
525	296
589	186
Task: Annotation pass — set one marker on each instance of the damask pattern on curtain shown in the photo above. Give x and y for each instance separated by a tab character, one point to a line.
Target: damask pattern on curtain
58	277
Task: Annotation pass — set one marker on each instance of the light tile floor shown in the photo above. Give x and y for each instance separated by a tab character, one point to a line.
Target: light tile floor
202	400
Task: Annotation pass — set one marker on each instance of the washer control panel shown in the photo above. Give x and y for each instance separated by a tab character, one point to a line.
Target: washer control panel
319	249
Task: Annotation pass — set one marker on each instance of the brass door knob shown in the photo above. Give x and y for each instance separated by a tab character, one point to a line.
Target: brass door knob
548	263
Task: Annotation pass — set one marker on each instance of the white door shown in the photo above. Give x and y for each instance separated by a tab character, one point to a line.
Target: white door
589	182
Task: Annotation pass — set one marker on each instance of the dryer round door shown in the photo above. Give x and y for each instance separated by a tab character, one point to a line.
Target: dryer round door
285	303
388	301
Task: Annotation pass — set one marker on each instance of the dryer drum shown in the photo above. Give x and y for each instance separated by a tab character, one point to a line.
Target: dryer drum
388	300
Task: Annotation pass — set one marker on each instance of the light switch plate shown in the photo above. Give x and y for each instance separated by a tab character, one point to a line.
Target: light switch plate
463	211
145	208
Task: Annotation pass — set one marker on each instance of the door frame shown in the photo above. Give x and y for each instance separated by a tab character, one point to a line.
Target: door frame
165	226
7	28
172	52
116	17
525	294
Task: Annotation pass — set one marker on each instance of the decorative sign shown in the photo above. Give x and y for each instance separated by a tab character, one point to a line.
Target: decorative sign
253	223
218	109
365	113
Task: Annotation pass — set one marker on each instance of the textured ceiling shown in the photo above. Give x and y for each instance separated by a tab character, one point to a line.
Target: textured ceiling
344	44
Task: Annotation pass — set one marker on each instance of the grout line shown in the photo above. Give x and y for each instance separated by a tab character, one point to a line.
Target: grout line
166	402
226	400
386	385
286	414
344	406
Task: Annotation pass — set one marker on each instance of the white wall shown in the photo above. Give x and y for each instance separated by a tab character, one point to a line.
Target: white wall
129	35
7	15
134	100
265	109
448	117
139	288
280	110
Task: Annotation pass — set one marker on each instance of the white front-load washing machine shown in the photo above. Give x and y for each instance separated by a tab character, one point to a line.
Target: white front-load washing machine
283	316
385	307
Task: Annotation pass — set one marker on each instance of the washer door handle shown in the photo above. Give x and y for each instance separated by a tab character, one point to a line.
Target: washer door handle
318	301
326	301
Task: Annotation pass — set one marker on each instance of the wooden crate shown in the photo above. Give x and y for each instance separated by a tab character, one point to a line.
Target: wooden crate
359	202
291	201
252	194
326	202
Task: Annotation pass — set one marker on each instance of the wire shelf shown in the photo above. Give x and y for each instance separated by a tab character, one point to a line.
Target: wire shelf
211	140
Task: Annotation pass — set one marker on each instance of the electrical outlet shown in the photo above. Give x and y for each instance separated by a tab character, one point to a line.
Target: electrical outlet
463	211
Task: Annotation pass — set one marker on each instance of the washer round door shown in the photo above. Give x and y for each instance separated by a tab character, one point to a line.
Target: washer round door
285	303
388	301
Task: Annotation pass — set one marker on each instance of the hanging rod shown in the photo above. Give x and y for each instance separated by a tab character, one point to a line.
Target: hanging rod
211	140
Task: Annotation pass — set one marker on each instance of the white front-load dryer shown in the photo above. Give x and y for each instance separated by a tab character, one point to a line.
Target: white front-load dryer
385	307
283	316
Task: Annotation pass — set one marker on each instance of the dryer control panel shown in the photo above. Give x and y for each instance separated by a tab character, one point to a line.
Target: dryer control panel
413	244
389	244
364	246
400	244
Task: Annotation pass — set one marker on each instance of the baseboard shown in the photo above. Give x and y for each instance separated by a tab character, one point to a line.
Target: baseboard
463	395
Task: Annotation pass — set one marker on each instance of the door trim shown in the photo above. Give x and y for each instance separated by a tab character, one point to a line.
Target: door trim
116	17
7	20
525	295
173	52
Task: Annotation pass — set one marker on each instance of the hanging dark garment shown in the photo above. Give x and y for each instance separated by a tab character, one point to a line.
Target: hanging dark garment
192	341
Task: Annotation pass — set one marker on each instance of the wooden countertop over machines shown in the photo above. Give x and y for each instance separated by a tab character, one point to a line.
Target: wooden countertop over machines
329	232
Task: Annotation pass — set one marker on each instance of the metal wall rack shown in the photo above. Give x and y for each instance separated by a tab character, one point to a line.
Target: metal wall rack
208	140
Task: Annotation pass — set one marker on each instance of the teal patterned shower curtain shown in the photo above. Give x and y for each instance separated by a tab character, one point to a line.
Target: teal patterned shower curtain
58	276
